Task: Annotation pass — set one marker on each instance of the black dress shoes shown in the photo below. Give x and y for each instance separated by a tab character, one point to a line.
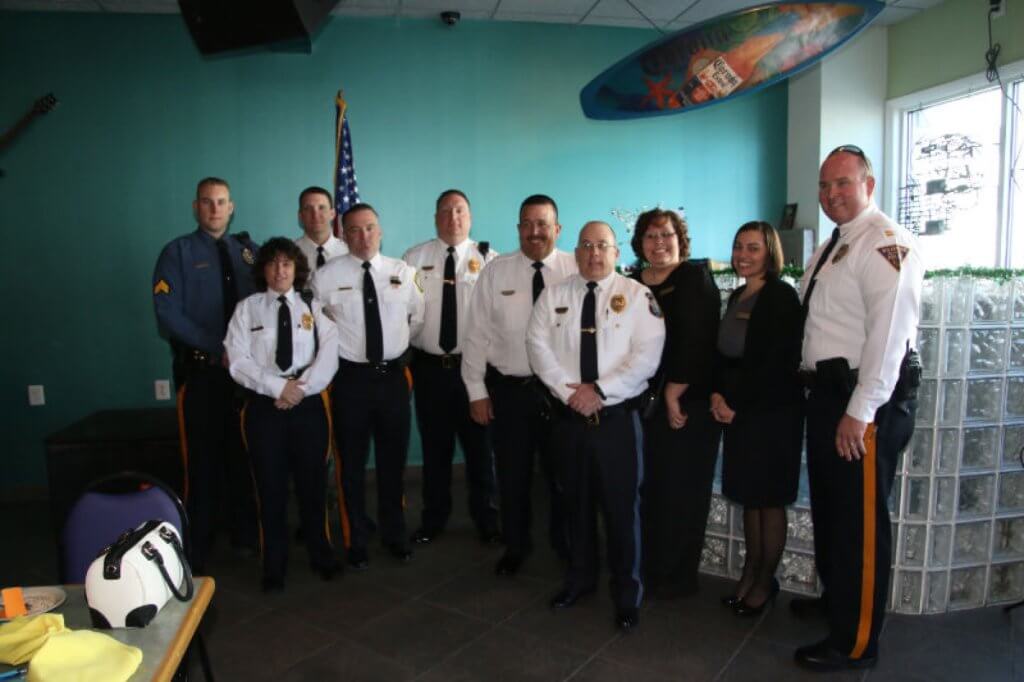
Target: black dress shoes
822	657
358	559
807	608
272	584
422	536
568	598
490	536
328	572
508	565
402	553
730	600
626	620
744	609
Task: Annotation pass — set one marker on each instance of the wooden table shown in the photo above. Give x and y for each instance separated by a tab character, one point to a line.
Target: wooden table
163	642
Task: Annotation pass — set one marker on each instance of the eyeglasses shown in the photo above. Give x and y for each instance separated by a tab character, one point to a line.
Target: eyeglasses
655	236
595	246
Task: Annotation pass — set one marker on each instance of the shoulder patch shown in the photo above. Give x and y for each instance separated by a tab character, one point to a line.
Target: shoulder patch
652	305
161	287
894	254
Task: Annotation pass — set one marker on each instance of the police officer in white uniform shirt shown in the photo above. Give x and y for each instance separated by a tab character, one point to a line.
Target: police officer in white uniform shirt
377	308
316	215
503	391
861	296
285	351
447	268
594	340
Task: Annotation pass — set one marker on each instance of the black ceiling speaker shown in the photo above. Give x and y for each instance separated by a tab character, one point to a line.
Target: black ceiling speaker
225	25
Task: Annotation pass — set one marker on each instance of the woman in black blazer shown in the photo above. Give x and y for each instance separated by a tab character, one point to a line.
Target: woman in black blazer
680	436
758	399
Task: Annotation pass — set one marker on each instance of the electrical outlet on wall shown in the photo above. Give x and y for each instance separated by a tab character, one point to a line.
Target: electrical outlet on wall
36	396
162	389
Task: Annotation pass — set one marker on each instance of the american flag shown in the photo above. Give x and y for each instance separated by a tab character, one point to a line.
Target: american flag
346	190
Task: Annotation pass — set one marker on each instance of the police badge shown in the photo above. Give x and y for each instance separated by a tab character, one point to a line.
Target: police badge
473	265
307	321
618	303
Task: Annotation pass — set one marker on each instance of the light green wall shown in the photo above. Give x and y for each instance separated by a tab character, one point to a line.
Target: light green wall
93	190
948	42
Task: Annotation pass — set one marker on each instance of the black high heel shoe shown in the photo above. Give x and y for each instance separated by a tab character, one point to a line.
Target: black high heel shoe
731	600
745	610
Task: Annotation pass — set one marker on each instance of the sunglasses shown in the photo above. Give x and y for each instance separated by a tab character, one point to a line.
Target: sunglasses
856	151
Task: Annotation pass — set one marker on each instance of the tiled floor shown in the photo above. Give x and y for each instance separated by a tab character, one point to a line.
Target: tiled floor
447	617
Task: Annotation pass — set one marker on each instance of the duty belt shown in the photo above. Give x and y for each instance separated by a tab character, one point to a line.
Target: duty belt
499	378
382	367
604	414
446	361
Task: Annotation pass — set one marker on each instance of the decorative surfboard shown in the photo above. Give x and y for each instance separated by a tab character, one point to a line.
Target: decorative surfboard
724	57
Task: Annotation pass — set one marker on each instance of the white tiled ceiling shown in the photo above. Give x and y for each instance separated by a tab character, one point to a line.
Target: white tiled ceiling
665	15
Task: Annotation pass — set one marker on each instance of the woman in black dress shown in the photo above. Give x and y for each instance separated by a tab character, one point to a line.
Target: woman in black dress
681	438
758	399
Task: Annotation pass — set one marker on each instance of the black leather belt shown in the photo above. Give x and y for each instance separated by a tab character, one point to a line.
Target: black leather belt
604	414
382	367
446	361
497	377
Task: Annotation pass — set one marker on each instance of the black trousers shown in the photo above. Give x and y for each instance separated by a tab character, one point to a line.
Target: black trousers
367	403
442	413
216	467
520	431
600	468
850	511
680	472
295	441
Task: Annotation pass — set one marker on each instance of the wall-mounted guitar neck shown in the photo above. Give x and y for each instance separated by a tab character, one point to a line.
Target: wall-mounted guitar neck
43	105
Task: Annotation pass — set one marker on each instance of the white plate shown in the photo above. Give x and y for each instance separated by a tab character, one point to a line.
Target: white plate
40	599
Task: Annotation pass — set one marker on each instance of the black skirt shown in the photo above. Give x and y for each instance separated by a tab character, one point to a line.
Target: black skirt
761	455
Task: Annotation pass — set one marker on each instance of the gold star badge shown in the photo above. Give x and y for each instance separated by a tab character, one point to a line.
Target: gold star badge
162	287
473	265
618	303
307	321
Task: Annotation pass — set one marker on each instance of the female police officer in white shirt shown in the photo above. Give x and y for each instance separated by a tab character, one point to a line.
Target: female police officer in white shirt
283	349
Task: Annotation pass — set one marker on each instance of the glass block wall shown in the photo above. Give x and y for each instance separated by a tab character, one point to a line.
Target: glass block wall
958	499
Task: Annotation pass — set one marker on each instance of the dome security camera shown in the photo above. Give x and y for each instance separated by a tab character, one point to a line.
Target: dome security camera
450	17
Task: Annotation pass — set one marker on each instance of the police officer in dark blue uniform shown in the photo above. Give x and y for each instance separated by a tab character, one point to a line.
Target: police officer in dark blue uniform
199	277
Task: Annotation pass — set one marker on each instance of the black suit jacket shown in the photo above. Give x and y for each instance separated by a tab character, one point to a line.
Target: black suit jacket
771	356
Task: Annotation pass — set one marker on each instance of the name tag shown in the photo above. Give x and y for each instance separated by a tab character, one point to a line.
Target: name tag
344	288
508	292
396	282
427	268
200	266
667	290
742	316
256	329
561	311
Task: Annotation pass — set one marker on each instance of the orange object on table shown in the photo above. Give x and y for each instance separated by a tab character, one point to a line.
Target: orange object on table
14	602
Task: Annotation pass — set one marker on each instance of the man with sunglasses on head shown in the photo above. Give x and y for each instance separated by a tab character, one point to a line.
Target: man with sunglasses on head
595	339
861	295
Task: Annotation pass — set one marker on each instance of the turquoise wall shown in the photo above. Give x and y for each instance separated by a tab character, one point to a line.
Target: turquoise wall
93	190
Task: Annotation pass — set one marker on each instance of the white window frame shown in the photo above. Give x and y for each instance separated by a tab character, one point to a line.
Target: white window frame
896	111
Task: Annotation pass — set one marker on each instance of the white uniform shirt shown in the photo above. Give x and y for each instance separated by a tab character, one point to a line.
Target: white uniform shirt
339	285
865	306
428	258
630	336
499	312
333	248
251	344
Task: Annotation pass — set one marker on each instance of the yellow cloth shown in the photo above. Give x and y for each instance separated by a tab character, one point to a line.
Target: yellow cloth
23	636
83	656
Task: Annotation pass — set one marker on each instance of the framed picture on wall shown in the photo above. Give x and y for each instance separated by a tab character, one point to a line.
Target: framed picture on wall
788	217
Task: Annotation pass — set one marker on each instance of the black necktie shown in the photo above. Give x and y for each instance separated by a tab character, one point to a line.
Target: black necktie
227	277
449	316
588	336
283	356
320	260
817	267
538	280
374	334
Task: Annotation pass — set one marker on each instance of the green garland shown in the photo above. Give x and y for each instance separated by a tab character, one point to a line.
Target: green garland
999	274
